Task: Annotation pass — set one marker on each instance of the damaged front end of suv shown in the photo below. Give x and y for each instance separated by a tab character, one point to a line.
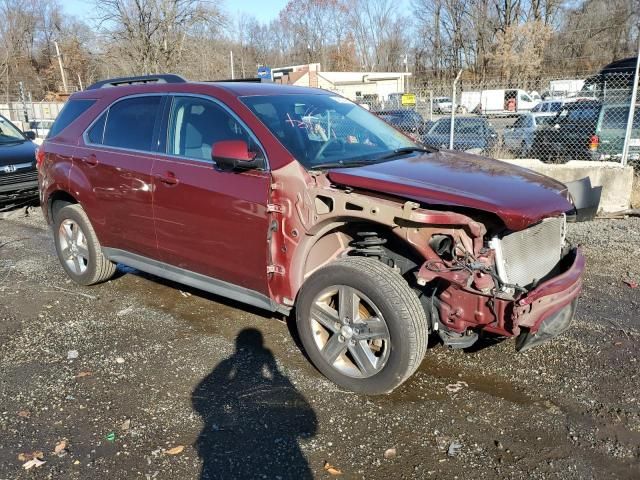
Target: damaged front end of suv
480	262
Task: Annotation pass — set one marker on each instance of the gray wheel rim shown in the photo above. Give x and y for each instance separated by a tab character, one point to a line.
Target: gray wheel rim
73	245
349	331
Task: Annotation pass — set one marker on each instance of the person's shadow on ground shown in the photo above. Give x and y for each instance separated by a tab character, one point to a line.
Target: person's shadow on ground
253	417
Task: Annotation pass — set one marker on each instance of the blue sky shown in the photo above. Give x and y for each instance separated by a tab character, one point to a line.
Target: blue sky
264	10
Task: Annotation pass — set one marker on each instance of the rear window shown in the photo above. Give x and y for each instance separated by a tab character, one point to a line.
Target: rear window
130	123
580	113
72	110
615	118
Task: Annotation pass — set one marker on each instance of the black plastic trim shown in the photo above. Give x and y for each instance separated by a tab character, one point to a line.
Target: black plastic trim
192	279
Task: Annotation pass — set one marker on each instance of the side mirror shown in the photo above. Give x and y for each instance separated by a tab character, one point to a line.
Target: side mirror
233	155
30	134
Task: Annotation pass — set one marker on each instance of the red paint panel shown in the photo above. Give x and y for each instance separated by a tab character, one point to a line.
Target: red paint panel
518	196
212	222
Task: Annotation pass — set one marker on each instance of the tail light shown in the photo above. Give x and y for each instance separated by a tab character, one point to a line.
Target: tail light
39	156
594	141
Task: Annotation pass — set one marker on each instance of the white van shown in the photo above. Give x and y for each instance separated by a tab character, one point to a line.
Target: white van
505	101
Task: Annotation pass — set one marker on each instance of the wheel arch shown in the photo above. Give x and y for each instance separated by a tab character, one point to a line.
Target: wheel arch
333	239
57	200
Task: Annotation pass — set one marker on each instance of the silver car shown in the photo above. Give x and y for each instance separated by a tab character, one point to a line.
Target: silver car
518	138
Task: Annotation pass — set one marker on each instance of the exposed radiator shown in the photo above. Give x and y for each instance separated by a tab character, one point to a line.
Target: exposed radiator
527	256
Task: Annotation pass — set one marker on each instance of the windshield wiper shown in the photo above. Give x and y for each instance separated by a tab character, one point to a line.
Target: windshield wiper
343	164
404	150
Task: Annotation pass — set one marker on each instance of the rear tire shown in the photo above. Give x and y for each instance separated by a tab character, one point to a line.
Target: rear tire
362	325
78	248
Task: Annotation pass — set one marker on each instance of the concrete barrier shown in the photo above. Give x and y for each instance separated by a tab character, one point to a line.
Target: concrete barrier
616	181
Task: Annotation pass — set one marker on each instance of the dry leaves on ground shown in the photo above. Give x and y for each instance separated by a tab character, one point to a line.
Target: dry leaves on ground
175	450
331	469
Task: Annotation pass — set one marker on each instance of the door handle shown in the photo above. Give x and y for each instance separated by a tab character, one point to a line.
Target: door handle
91	160
169	178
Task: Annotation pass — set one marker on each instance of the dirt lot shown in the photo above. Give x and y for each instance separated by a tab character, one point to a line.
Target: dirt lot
159	366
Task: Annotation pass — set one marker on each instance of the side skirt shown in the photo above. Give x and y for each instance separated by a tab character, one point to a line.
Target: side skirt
195	280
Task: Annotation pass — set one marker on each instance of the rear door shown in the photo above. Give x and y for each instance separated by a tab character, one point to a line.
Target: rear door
209	221
116	161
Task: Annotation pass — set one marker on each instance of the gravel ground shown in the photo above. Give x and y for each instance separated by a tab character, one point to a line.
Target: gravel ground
168	383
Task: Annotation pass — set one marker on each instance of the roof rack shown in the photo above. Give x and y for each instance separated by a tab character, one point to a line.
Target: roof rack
115	82
238	80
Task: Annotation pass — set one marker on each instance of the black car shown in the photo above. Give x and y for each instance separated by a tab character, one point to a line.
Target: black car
406	120
570	135
18	174
470	133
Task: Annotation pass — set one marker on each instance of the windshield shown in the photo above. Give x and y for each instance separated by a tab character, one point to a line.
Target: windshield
9	133
324	129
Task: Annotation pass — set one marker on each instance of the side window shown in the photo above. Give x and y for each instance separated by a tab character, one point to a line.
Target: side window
195	124
441	127
130	123
537	108
72	110
96	132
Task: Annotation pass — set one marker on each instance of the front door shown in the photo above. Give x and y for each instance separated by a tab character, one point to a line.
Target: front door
210	221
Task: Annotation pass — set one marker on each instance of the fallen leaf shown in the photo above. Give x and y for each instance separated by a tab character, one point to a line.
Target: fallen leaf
60	447
331	469
124	311
631	283
175	450
34	462
24	413
23	457
84	373
617	344
390	453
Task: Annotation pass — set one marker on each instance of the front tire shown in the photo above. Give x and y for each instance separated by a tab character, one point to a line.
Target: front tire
78	248
362	325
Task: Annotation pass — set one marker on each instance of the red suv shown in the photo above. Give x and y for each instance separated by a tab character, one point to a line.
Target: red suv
298	200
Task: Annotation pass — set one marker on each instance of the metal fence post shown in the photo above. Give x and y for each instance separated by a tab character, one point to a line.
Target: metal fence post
453	109
632	110
431	105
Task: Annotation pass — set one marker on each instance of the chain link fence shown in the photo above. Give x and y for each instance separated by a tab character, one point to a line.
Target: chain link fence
29	115
553	120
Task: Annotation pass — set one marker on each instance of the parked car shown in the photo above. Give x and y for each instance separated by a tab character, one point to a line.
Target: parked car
470	133
519	137
18	174
373	240
570	135
442	105
41	127
548	107
406	120
610	131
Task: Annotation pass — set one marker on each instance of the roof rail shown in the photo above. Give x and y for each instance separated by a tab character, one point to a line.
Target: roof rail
238	80
115	82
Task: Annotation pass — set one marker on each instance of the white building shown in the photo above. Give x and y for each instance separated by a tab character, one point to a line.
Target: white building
357	86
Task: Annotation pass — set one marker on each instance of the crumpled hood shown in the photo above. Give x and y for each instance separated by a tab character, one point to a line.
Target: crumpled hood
520	197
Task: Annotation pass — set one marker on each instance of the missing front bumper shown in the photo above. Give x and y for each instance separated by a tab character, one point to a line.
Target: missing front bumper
551	327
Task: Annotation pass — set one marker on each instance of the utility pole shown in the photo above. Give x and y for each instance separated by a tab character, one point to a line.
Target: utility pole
231	61
64	78
24	103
